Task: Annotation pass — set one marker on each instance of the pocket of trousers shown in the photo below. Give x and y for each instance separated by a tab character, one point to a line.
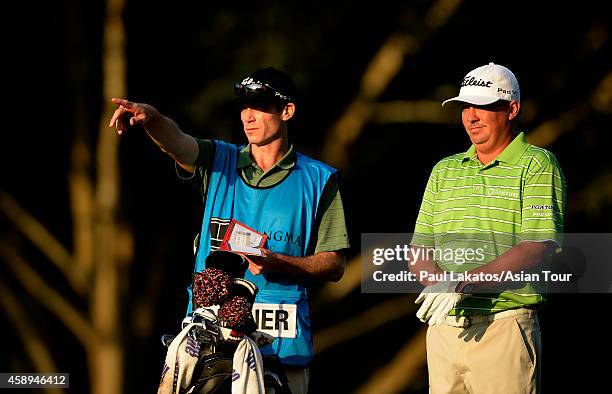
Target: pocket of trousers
527	341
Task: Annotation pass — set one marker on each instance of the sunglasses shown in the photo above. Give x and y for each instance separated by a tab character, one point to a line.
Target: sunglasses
252	87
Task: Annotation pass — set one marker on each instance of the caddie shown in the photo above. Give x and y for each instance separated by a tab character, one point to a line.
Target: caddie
272	189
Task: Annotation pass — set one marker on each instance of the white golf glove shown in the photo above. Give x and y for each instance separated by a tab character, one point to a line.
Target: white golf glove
438	300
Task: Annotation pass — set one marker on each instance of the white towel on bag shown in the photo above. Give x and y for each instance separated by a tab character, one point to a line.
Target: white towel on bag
247	374
181	359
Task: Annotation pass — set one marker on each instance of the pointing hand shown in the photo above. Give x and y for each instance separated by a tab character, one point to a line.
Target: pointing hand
130	114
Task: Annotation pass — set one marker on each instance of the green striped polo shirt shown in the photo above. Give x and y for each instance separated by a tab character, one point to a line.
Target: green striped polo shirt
519	196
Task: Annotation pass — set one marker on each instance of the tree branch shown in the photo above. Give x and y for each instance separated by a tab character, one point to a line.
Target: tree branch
333	291
396	375
367	321
34	346
551	130
81	205
379	73
107	361
384	66
421	111
44	240
47	296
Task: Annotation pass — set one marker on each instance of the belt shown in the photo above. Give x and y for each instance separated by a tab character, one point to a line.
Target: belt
466	321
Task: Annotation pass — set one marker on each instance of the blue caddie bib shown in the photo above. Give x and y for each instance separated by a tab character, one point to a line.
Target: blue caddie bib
286	212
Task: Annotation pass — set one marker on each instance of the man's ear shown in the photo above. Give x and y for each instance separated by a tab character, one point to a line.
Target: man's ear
513	109
288	111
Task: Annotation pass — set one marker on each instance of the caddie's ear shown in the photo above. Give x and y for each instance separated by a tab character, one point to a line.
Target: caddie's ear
288	111
513	109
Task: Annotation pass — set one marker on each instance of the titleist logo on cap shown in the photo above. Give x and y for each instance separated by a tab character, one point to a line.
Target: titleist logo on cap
473	81
487	84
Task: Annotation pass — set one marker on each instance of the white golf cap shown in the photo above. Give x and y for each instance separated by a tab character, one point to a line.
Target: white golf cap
487	84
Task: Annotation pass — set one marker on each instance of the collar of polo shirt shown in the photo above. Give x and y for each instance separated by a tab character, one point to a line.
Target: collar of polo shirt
510	155
287	162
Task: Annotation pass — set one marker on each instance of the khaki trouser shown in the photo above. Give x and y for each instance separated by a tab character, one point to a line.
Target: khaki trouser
482	356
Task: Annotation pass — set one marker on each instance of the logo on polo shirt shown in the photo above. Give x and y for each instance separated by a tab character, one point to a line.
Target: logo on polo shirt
542	210
541	207
491	191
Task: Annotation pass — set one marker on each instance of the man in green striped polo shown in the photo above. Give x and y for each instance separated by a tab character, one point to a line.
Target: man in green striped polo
498	210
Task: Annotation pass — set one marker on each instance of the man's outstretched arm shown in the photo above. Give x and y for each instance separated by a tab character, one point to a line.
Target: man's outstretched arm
166	134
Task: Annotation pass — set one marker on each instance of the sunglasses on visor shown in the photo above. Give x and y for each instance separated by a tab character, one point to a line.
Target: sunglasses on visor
258	89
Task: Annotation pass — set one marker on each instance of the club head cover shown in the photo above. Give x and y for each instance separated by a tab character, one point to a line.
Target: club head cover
233	264
245	288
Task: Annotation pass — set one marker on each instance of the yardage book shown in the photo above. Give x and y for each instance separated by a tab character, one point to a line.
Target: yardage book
242	239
